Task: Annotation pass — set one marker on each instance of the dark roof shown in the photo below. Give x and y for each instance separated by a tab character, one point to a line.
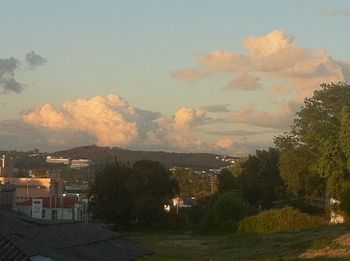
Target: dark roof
9	251
27	237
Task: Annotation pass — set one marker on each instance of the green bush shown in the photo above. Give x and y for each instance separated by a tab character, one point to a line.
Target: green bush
277	220
345	200
224	215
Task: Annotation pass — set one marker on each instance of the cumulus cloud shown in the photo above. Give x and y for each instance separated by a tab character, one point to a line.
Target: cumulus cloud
16	133
225	143
112	121
277	89
264	46
278	68
225	61
244	81
178	130
34	59
282	119
239	132
215	108
188	74
275	56
103	117
8	83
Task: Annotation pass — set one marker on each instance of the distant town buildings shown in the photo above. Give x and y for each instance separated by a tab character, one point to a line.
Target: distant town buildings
7	196
28	188
74	163
183	202
53	208
80	163
53	160
6	166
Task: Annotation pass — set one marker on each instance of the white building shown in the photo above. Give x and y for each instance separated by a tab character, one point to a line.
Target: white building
50	159
54	208
6	166
80	163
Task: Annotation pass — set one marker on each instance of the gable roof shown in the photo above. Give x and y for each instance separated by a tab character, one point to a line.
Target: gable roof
63	240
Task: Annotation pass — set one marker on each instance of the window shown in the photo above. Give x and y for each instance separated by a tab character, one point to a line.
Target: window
43	213
54	214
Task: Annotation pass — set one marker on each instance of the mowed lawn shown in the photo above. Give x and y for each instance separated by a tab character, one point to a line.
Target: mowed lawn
327	243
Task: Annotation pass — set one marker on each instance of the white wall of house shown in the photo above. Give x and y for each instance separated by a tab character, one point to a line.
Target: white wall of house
78	212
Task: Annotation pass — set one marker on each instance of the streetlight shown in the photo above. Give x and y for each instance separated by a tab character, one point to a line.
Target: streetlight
63	195
28	187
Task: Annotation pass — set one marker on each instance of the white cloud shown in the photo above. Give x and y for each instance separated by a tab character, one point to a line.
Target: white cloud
111	121
282	119
215	108
275	56
244	81
225	61
103	117
270	59
225	143
188	74
267	45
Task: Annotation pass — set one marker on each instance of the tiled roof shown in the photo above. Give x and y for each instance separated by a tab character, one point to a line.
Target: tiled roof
9	251
63	240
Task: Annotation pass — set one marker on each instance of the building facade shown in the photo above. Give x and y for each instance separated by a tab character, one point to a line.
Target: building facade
54	208
7	196
28	188
6	166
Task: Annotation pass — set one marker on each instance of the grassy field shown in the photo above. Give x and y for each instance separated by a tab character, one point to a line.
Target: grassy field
331	242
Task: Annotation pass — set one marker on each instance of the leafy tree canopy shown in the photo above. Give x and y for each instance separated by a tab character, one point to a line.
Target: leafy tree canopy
132	196
192	183
257	177
315	153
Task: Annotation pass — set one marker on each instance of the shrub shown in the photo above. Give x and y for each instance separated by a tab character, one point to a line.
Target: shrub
228	209
345	200
277	220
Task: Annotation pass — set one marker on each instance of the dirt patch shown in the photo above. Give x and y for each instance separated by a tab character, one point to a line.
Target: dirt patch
339	247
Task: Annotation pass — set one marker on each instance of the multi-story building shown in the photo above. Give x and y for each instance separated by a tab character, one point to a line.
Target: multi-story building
80	163
28	188
6	166
7	196
50	159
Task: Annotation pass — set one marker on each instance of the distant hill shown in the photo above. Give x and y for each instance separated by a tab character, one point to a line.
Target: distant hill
168	159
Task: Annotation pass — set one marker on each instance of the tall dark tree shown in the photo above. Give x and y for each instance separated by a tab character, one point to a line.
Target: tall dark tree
256	177
260	180
154	189
111	196
131	196
226	181
314	154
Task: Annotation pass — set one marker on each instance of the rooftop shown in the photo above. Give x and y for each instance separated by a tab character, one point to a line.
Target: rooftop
22	238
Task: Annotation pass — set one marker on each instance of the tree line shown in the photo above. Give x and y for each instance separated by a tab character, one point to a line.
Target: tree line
311	161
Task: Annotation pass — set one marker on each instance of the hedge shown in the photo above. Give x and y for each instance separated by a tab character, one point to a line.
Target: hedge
277	220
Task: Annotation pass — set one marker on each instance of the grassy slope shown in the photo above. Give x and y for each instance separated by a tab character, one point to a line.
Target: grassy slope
279	246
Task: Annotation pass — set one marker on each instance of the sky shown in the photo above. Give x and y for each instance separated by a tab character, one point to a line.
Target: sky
174	75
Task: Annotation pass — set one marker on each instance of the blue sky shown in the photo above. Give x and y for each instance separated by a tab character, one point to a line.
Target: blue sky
157	57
